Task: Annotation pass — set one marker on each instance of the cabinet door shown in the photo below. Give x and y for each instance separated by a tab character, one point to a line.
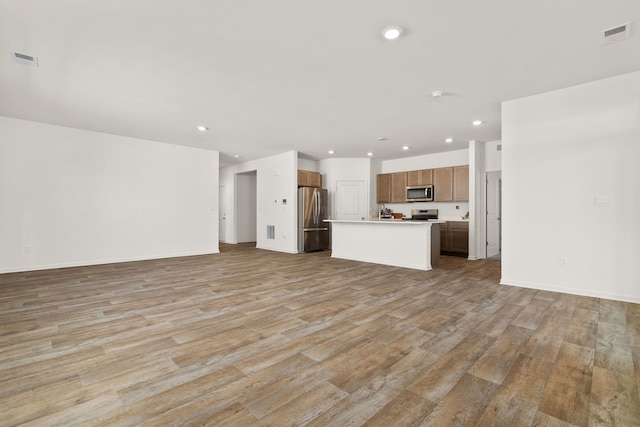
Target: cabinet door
426	176
420	177
383	183
461	183
414	177
444	237
459	237
309	179
399	187
443	184
303	178
315	180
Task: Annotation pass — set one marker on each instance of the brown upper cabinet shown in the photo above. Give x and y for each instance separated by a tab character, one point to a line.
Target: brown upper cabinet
392	187
309	179
451	184
443	184
398	187
461	183
420	177
383	183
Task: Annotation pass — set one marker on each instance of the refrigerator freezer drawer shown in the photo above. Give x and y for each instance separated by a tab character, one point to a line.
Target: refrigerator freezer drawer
316	240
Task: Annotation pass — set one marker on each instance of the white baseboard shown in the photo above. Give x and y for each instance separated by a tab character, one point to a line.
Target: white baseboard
572	291
99	262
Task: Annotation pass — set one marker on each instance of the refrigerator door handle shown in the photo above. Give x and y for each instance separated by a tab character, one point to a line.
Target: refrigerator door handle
316	201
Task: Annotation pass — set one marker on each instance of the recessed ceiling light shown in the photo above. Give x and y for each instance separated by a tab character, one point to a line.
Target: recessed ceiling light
202	128
405	147
448	140
437	93
237	156
381	138
392	33
477	122
331	152
369	154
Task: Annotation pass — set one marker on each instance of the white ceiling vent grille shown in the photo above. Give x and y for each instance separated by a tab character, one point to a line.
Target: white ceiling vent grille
617	33
23	58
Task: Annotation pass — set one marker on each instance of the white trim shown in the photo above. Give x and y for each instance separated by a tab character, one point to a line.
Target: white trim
101	262
572	291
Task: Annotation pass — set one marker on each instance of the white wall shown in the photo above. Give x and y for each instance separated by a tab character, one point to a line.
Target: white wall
427	161
308	165
492	157
277	178
246	217
563	152
71	197
477	201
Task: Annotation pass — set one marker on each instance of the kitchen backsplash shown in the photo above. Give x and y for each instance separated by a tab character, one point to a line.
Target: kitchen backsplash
446	210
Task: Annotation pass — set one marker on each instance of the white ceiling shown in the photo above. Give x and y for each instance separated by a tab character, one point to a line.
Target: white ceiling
268	76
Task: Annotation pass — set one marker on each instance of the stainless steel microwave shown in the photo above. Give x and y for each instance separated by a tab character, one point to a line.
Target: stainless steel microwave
420	193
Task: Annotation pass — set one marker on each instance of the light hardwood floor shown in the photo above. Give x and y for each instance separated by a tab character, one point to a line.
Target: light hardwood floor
252	337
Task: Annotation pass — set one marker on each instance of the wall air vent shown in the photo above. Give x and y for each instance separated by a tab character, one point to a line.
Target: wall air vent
271	231
617	33
23	58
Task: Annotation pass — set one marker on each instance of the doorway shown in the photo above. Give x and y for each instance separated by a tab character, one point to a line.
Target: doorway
246	207
222	213
494	213
351	200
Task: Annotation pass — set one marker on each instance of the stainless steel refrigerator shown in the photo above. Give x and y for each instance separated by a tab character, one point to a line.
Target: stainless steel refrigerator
313	233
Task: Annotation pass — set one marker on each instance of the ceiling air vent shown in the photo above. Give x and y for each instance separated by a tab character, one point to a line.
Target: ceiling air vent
617	33
23	58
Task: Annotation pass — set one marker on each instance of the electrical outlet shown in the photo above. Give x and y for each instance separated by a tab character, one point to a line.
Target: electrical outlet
564	263
27	249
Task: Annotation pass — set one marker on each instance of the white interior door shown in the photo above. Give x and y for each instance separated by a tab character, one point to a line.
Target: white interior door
222	213
494	212
351	200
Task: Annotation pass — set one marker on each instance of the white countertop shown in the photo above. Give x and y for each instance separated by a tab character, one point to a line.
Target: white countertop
386	221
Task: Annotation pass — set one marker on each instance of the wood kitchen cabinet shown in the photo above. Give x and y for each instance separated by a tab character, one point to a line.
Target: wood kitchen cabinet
398	187
454	238
420	177
392	187
444	237
309	179
383	186
461	183
443	184
450	184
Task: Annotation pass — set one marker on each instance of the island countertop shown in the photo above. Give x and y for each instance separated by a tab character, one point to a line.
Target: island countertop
386	221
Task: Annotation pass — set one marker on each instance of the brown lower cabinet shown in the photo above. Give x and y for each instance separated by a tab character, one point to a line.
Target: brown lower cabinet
454	238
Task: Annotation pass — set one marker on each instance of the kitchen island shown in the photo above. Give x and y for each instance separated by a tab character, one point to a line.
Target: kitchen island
409	244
